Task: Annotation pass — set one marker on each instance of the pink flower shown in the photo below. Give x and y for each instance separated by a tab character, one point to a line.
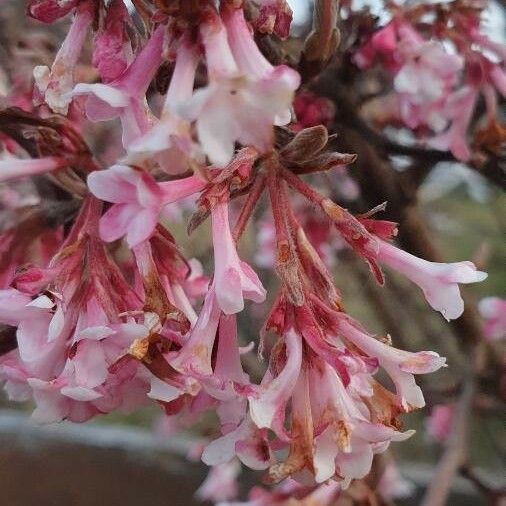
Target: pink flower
459	109
56	84
112	51
48	11
245	96
125	96
392	485
14	168
400	365
39	350
221	483
164	389
169	139
493	311
424	83
138	200
234	280
51	406
195	355
69	345
88	381
253	64
14	306
383	43
228	368
215	334
439	422
332	435
247	442
438	281
85	386
275	17
345	437
267	406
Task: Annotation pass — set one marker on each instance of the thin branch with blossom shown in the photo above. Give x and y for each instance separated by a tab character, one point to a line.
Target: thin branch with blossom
107	309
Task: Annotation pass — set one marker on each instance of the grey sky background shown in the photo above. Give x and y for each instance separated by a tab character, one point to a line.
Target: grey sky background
494	19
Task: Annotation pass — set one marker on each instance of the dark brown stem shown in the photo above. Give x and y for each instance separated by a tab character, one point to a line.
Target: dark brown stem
348	107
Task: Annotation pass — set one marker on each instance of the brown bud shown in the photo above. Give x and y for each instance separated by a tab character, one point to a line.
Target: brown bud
197	219
323	162
306	144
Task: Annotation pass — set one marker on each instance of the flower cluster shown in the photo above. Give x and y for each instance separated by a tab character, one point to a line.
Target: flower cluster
105	309
439	71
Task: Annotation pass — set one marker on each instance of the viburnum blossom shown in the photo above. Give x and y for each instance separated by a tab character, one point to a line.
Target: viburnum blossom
124	97
439	422
245	96
138	200
439	282
493	311
234	279
169	140
100	310
436	88
14	168
56	84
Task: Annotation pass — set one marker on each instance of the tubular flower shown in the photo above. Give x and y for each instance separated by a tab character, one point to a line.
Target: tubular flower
13	168
438	281
234	279
169	139
124	97
436	88
245	95
138	200
100	311
56	84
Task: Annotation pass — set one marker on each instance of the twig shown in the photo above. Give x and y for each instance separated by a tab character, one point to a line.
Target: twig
249	206
494	494
348	104
456	449
322	42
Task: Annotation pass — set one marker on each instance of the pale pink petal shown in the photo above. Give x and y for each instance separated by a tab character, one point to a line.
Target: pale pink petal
116	221
13	168
79	393
325	452
268	408
437	280
195	356
116	184
90	366
162	391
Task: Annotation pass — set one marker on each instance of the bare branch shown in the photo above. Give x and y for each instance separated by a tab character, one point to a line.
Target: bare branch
456	450
322	42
